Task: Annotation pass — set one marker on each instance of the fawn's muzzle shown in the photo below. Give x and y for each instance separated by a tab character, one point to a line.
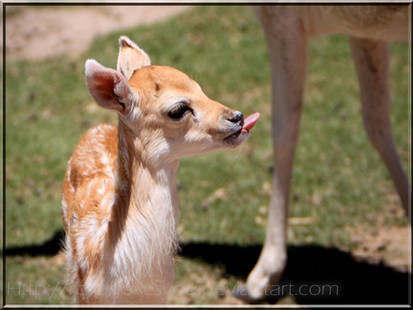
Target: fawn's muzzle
237	118
241	133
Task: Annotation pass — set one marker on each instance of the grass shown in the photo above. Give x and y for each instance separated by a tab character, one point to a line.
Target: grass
338	177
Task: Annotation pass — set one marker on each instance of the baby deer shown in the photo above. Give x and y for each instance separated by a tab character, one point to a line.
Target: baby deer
119	194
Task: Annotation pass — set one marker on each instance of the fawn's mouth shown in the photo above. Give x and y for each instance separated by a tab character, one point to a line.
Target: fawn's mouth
241	134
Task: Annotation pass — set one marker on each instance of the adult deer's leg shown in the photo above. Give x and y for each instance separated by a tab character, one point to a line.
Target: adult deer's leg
372	65
288	52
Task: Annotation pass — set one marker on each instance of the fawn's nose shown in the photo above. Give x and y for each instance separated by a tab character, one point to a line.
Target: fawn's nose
236	117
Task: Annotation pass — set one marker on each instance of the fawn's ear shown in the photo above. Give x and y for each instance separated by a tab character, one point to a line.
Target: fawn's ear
108	87
131	57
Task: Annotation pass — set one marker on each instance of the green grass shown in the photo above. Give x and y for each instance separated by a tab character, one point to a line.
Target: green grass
338	177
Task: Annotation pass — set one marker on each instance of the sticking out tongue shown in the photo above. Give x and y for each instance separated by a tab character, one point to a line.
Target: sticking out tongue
250	121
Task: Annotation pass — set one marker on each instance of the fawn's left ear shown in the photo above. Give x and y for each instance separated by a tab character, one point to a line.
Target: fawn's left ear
108	87
131	57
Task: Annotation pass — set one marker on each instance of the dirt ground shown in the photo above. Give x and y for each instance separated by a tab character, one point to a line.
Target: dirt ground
36	33
379	242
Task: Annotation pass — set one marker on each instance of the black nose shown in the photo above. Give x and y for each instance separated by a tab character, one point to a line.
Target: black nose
237	117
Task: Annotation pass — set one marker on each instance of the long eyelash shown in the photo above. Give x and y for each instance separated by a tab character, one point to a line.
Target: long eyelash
179	111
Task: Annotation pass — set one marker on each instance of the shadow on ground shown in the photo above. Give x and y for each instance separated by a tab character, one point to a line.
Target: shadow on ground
314	274
49	247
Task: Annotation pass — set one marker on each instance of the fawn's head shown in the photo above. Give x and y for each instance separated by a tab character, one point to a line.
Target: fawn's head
164	109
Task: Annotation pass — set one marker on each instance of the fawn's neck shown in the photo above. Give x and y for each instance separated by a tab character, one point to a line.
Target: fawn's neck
143	222
150	187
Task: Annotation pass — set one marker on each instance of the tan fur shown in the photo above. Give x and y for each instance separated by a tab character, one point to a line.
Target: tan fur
119	195
287	30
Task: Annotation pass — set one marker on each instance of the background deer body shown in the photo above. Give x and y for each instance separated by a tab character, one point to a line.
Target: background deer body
287	30
119	196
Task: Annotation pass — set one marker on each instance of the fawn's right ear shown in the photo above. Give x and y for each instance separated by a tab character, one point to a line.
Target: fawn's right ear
108	87
131	57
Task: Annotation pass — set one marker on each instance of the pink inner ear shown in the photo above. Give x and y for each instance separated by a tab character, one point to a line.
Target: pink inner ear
102	82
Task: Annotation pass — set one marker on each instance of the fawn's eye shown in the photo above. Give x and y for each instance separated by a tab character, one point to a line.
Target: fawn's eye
179	111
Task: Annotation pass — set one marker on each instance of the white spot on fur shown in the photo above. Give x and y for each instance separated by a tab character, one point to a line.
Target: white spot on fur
105	159
89	188
64	207
101	190
109	171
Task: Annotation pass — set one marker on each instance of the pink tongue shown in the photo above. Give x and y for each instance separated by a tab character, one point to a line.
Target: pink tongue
250	121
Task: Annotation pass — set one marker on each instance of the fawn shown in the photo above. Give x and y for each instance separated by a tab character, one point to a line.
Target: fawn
119	195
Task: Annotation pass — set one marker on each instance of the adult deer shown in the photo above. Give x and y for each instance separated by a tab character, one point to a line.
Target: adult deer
119	196
287	30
